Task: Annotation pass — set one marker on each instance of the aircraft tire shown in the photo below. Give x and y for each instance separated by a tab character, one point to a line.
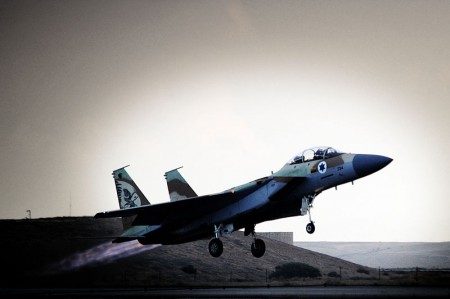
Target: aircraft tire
258	248
310	228
215	247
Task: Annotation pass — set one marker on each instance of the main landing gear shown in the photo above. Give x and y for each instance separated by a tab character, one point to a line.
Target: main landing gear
215	246
258	247
306	209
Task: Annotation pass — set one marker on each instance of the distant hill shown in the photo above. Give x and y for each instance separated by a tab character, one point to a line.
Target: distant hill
76	251
386	254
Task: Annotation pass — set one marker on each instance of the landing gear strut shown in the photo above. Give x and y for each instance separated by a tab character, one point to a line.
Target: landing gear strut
306	209
215	246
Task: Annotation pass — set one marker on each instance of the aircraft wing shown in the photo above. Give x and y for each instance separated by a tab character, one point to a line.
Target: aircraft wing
176	210
290	184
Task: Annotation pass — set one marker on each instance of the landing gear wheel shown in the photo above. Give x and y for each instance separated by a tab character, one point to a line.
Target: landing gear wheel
310	228
258	248
215	247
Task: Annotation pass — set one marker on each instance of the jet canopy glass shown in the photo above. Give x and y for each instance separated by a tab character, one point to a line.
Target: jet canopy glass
315	153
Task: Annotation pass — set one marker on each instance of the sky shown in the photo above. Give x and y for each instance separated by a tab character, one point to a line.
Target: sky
231	90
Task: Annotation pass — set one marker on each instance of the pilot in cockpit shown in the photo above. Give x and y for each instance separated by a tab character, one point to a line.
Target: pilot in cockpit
318	155
297	160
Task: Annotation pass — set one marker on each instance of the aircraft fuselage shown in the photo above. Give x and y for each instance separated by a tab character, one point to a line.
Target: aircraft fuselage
265	203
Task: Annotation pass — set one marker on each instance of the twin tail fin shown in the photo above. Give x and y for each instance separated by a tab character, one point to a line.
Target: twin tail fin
128	194
179	189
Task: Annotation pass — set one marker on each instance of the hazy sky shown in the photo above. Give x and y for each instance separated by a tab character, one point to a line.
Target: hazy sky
231	90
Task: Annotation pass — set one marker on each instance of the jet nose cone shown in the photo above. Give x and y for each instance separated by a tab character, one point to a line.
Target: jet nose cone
367	164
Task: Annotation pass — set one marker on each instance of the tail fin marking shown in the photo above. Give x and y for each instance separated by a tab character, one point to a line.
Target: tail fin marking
128	193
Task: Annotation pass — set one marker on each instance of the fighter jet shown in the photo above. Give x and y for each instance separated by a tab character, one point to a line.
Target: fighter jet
288	192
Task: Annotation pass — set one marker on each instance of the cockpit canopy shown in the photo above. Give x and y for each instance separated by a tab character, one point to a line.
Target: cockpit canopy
315	153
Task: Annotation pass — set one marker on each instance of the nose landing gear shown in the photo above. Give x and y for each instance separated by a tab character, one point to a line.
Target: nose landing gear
306	209
310	228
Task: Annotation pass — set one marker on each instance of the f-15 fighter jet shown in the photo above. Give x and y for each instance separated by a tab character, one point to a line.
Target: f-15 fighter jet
285	193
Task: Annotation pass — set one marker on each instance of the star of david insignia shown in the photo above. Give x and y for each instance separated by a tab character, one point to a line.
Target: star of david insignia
322	167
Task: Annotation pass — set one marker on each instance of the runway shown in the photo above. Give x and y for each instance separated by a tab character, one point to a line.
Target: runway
273	292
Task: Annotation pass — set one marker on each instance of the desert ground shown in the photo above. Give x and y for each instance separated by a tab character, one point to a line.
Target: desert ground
77	252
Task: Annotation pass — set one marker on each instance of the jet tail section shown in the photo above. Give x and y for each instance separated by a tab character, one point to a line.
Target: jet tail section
179	189
128	194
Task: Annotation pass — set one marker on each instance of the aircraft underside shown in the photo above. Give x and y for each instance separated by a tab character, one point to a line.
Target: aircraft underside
274	211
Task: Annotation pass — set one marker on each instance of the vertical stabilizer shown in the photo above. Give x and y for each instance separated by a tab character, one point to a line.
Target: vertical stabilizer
128	194
179	189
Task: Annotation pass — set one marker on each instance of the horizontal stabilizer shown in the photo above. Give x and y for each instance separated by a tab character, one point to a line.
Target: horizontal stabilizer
135	232
118	213
139	230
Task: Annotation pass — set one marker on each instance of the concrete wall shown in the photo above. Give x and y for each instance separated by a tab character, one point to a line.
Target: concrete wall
285	237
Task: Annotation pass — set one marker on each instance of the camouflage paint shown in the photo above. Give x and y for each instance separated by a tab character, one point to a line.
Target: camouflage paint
179	189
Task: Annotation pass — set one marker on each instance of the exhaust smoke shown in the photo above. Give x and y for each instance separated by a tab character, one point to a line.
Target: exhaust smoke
102	253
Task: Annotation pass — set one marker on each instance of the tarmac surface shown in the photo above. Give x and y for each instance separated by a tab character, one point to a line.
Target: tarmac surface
273	292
